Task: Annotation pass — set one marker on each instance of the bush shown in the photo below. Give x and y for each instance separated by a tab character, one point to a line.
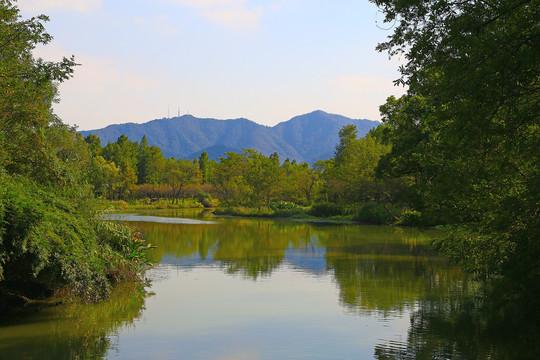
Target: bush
411	218
48	243
373	213
326	209
284	205
205	199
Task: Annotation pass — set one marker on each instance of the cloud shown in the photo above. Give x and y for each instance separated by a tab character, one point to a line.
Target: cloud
161	24
279	5
208	3
139	20
230	13
237	17
70	5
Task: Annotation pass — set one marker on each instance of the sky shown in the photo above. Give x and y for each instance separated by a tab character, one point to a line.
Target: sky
265	60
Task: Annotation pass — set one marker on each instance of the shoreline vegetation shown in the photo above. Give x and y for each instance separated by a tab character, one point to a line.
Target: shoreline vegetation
369	214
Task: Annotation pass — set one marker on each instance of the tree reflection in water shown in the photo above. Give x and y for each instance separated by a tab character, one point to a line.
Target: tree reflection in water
459	328
378	271
71	331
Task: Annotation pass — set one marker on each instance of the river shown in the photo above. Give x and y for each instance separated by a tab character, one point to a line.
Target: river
228	288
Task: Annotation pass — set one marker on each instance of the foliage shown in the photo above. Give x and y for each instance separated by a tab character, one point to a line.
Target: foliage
50	233
47	242
412	218
28	88
467	131
284	205
205	199
326	209
373	213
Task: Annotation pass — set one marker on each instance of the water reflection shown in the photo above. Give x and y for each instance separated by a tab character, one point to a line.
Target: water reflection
238	287
375	268
72	331
456	328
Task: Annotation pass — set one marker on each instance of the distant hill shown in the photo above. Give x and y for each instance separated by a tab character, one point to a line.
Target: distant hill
306	138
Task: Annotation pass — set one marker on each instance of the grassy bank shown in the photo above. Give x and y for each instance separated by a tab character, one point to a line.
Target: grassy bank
151	204
367	213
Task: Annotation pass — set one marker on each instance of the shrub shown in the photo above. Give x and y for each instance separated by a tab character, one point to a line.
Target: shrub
326	209
48	243
284	205
373	213
205	199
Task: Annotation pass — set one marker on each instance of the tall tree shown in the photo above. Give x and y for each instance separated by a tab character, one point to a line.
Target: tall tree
263	175
28	88
204	167
468	129
351	175
229	181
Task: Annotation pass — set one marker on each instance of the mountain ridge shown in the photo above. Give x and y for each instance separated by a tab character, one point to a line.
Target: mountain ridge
306	138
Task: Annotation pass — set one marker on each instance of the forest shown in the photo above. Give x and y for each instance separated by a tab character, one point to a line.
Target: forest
458	150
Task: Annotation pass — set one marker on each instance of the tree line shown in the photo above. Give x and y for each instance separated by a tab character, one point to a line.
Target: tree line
130	170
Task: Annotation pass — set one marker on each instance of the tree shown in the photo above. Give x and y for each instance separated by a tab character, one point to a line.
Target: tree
124	152
300	183
28	87
51	237
468	130
351	174
229	181
263	175
179	174
104	176
204	167
94	142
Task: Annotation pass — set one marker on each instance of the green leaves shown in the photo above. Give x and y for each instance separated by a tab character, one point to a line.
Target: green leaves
468	129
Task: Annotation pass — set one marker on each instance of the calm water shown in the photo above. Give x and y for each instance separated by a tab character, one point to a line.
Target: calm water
261	289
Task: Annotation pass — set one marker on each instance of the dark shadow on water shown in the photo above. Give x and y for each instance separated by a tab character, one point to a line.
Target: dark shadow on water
70	331
462	328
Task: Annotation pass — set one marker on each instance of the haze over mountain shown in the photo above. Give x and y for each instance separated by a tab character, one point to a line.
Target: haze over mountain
306	138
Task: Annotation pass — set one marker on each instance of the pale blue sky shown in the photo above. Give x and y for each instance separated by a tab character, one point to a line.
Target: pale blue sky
264	60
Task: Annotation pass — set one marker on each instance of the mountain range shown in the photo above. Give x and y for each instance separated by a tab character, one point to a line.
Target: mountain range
306	138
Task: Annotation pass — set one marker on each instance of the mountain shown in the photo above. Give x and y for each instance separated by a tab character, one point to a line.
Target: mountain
306	138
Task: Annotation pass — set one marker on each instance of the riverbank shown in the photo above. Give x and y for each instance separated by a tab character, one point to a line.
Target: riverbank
150	204
367	213
51	243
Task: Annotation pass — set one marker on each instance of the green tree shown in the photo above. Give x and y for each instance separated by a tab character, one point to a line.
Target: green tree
104	177
178	175
94	142
123	152
50	235
263	175
228	180
468	132
204	167
28	88
300	183
351	176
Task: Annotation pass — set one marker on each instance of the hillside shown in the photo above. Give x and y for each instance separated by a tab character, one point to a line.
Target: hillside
308	137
